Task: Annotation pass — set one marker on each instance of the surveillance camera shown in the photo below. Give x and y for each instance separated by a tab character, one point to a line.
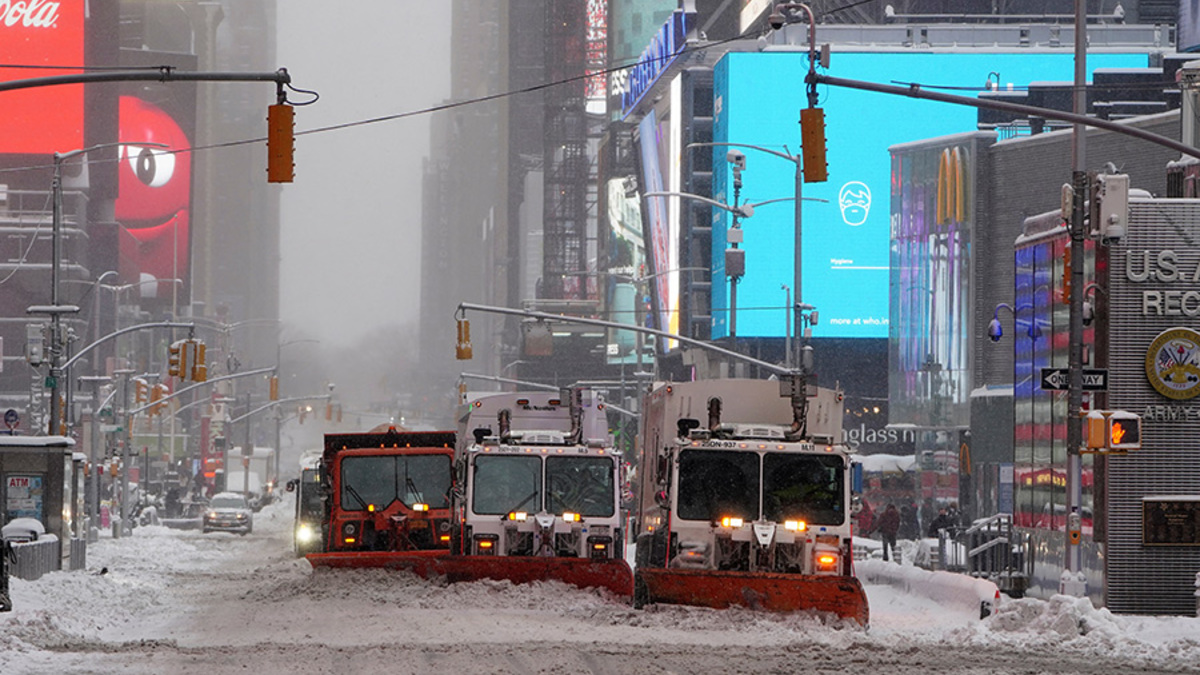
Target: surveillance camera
331	386
995	332
776	20
737	159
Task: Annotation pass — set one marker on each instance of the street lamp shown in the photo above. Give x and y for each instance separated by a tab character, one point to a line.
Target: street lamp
55	309
797	195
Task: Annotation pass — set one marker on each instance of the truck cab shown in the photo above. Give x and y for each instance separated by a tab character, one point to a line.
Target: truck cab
531	483
745	498
387	491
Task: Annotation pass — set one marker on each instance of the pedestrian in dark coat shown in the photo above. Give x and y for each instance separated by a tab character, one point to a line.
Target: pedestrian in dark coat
889	525
943	521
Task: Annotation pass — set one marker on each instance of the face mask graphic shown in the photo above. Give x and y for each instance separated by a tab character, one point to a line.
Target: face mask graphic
854	199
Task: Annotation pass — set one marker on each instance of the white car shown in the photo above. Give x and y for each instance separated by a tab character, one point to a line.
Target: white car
228	512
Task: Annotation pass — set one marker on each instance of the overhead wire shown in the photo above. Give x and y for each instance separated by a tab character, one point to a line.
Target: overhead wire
414	113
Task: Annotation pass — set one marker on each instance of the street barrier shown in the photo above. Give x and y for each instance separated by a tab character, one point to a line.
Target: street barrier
33	559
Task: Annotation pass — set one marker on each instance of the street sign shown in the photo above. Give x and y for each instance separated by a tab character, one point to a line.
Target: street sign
110	428
1059	379
11	418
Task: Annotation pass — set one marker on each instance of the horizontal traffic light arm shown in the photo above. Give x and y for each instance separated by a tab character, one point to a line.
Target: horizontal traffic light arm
275	404
181	392
915	91
699	344
162	74
130	329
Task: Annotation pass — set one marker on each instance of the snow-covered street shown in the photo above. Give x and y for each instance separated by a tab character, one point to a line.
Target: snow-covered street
177	601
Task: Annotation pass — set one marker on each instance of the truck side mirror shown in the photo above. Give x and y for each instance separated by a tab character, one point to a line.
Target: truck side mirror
662	500
660	470
291	485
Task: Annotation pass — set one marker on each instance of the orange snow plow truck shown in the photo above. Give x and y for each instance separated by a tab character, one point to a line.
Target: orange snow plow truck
745	499
386	498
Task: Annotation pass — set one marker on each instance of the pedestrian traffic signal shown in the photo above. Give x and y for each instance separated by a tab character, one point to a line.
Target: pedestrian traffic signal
280	143
199	369
1124	430
177	359
812	139
141	391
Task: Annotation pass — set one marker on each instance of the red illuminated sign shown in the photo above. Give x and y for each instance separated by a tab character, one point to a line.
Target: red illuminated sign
41	33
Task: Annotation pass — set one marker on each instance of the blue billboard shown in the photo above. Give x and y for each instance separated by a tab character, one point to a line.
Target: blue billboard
845	236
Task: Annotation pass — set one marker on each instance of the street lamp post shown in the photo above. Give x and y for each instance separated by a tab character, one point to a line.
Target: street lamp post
56	309
798	196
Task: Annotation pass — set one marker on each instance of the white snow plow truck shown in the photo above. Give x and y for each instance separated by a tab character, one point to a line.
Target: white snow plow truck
538	492
745	499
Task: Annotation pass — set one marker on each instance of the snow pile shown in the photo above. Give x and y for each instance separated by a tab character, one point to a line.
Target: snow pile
966	593
172	600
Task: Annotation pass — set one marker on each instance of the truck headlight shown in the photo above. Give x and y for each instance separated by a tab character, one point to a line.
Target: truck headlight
305	534
731	521
795	525
570	517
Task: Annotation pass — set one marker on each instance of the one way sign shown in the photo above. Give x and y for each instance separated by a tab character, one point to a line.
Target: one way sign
1059	379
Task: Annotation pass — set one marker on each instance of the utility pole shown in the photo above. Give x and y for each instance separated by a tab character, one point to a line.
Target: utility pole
1072	582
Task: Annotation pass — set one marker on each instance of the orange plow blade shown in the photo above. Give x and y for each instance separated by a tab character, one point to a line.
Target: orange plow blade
772	591
613	575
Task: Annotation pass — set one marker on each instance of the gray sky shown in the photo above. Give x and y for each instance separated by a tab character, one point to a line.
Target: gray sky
350	225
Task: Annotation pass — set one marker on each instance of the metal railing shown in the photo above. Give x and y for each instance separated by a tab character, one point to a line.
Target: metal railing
991	549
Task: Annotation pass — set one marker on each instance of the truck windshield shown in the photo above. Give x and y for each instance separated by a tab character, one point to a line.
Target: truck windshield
382	479
803	487
714	484
506	483
582	485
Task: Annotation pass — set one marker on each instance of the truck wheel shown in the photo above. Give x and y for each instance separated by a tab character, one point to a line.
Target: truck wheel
641	594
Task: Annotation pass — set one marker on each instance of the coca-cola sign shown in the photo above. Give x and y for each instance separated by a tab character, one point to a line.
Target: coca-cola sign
44	39
30	14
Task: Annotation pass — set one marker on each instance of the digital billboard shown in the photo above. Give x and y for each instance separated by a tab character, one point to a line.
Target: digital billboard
34	38
845	236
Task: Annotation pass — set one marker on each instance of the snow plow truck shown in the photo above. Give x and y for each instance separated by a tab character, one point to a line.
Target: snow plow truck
538	490
745	499
386	498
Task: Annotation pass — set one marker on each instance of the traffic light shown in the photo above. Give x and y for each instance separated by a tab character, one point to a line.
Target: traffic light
199	369
1124	430
273	385
177	359
280	143
141	391
339	413
328	412
462	350
157	393
812	139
